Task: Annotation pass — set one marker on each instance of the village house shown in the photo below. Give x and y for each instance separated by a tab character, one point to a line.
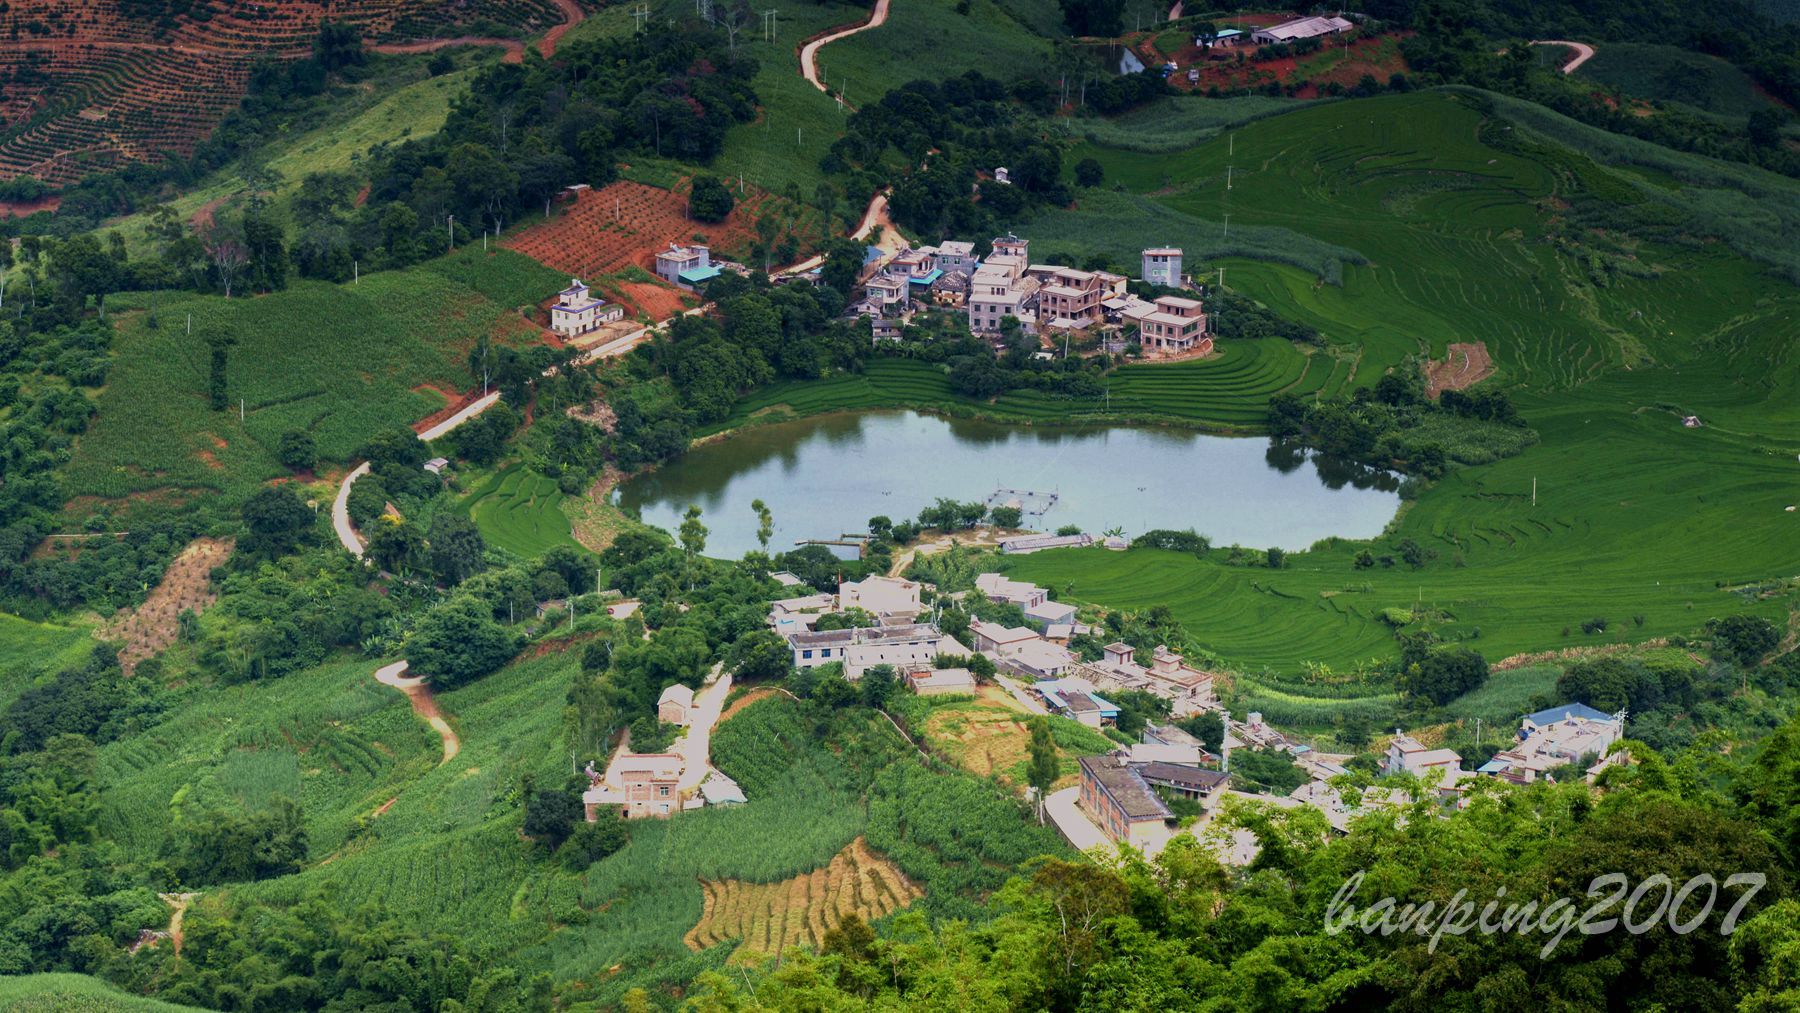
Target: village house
1557	737
1170	326
956	255
1187	689
1046	614
940	681
674	704
1301	28
1005	591
1067	298
1188	781
1405	755
993	638
1161	265
640	784
951	290
859	650
999	289
790	615
576	312
686	266
1075	698
1120	802
888	290
1190	755
1037	659
888	598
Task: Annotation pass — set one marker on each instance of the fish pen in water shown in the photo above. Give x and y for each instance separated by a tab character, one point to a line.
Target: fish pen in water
1031	505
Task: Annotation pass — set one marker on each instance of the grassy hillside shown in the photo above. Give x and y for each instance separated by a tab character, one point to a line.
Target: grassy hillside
339	361
1674	74
1229	391
75	993
416	109
29	650
928	39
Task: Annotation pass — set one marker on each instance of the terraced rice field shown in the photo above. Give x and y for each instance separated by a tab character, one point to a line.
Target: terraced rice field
1228	391
766	918
89	89
520	512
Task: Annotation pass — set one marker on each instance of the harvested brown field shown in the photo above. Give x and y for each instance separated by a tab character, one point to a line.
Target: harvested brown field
766	918
1464	364
185	586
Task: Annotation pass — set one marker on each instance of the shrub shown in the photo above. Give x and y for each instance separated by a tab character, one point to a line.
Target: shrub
296	451
711	200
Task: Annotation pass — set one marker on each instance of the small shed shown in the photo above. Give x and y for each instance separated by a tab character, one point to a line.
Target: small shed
675	704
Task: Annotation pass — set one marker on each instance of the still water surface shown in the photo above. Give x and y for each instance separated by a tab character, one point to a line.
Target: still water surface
827	475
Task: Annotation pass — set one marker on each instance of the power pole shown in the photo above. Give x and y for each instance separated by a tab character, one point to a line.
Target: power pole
639	13
450	233
1227	225
768	17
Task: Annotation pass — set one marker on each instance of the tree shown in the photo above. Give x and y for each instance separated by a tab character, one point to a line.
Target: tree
693	535
761	656
877	685
1743	639
1764	127
458	551
277	520
711	200
459	641
1208	727
765	523
1277	558
297	451
588	843
1441	674
396	545
1008	516
1089	172
551	815
1045	767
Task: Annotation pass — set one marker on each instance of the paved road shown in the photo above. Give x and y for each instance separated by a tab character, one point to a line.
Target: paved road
1076	828
695	747
1583	52
340	507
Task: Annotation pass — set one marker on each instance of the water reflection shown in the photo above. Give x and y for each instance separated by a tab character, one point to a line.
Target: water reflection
825	476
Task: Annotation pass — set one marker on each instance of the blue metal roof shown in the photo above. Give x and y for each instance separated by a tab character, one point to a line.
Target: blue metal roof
871	254
1568	710
695	274
926	279
1493	767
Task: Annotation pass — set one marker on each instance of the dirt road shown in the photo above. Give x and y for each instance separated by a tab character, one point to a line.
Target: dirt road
572	15
1583	52
423	704
809	53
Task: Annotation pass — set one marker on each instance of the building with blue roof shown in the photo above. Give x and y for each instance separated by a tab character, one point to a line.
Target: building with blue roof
1551	715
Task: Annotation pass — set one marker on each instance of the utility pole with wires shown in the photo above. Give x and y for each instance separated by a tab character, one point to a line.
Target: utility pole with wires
768	17
639	13
450	232
1227	228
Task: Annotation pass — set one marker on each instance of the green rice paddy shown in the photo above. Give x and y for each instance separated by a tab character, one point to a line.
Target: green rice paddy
521	512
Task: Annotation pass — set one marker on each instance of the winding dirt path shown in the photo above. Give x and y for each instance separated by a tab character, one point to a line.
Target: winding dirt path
809	63
1583	52
515	50
572	15
178	904
423	704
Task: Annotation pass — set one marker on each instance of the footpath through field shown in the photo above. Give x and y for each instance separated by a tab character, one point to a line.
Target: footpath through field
423	704
1583	52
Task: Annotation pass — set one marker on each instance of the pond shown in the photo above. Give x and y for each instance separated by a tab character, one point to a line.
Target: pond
827	475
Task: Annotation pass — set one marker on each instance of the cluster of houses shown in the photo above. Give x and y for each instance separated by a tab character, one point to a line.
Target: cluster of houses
1045	299
1126	793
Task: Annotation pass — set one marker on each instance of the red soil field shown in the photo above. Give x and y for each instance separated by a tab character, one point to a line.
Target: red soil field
84	89
1220	68
625	224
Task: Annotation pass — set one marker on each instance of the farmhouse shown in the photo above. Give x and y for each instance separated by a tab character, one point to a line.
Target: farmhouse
640	784
993	638
1170	326
1189	781
1046	614
674	704
1301	28
885	597
998	588
955	255
576	312
1121	802
790	615
859	650
1187	689
1162	266
686	266
1037	659
1405	755
1557	737
1065	294
941	681
1075	698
